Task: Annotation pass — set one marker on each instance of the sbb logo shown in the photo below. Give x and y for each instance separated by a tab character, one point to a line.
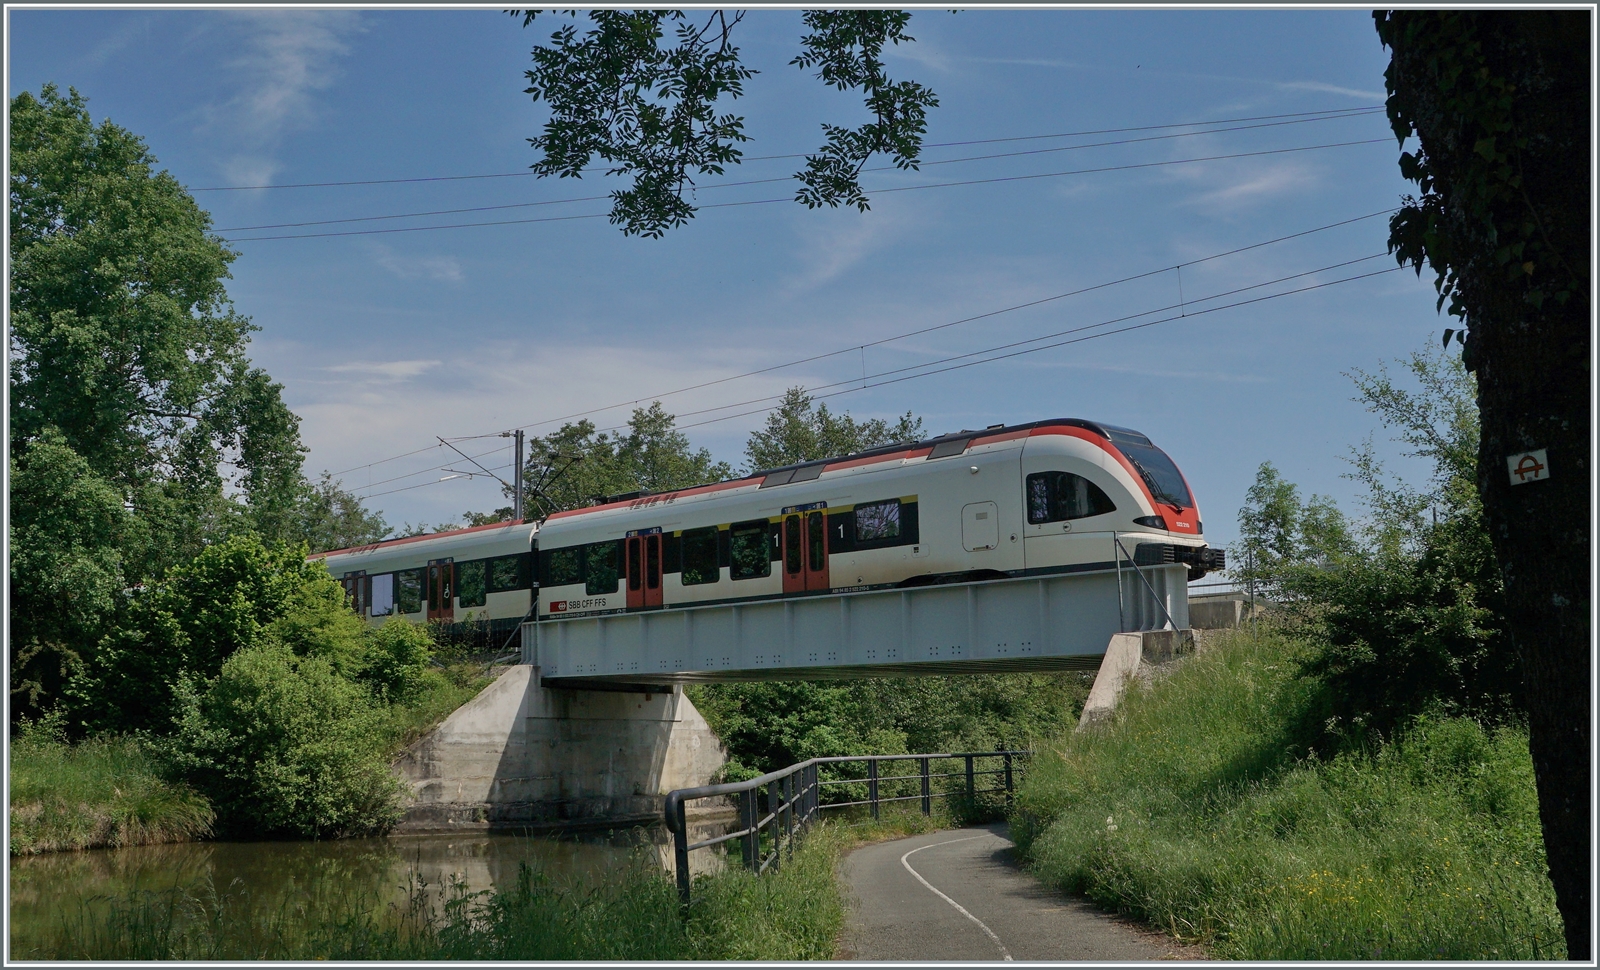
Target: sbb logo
559	606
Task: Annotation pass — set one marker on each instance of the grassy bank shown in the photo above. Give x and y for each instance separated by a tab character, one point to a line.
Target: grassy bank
1200	811
109	792
98	793
631	913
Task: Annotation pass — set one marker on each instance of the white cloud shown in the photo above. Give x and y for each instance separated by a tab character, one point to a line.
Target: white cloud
387	371
1331	89
1258	183
446	268
285	59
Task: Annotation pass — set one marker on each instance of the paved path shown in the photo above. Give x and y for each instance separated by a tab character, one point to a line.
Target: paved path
959	895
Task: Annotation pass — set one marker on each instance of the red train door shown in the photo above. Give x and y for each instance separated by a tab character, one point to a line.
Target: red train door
643	567
805	548
816	549
441	590
794	568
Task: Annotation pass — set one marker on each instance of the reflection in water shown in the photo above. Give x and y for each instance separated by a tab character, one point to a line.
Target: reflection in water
61	889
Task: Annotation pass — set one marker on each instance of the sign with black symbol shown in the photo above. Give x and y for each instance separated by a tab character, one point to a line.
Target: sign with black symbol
1530	466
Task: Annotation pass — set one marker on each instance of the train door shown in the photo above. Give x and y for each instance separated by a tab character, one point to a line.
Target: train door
805	549
441	590
643	567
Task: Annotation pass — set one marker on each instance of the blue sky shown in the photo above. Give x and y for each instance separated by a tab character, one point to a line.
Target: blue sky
383	341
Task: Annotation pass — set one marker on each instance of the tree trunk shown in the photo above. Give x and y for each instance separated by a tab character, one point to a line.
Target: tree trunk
1532	364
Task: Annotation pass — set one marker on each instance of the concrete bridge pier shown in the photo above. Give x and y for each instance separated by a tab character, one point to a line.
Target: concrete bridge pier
522	754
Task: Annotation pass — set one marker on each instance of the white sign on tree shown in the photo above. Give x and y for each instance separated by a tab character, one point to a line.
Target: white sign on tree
1530	466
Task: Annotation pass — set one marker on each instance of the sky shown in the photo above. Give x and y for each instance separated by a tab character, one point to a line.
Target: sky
385	341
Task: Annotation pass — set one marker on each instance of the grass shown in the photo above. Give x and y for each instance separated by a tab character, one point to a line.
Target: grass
98	793
108	792
1198	810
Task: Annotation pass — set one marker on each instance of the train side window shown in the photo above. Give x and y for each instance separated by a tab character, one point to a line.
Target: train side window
565	566
791	544
470	582
878	521
700	556
1058	496
749	555
383	594
507	573
600	568
408	590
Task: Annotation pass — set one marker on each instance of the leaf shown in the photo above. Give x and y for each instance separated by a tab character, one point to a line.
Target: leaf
1447	335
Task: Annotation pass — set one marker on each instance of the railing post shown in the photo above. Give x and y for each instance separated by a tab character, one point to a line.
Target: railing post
752	838
972	790
1008	778
775	800
788	807
927	800
680	851
872	786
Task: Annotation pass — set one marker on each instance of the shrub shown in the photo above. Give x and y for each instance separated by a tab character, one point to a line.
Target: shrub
283	745
396	659
228	598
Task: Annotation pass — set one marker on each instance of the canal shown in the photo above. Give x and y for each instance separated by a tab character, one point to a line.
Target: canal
67	895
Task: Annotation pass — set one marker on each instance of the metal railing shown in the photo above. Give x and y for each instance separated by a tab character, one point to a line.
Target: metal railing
780	804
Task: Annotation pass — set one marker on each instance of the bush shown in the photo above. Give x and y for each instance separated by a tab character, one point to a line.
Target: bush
284	746
396	659
227	599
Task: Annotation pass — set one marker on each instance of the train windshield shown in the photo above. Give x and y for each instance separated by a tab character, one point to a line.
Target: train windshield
1157	470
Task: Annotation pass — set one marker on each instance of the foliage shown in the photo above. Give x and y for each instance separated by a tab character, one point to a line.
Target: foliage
773	724
578	465
799	431
70	539
396	659
1407	611
105	792
283	745
228	598
651	111
331	517
1197	810
1474	201
1280	536
122	334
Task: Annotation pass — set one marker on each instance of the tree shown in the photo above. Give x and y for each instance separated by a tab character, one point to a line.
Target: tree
70	539
1499	105
122	334
650	112
578	465
329	517
797	431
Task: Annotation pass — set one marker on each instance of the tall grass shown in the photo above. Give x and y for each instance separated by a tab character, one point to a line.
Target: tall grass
631	912
1197	810
99	793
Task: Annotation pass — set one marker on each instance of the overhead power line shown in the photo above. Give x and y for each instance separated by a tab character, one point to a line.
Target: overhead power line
963	364
874	343
769	181
902	188
1363	109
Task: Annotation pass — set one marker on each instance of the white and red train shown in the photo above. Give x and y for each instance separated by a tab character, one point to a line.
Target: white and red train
1046	497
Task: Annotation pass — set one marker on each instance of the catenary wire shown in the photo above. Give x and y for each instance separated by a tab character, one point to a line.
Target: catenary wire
1029	350
769	181
942	326
911	333
1182	306
1363	109
903	188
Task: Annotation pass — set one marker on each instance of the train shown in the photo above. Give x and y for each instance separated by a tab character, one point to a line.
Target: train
1056	496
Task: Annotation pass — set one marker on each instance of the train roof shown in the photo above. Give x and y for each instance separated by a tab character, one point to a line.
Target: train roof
952	443
387	544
